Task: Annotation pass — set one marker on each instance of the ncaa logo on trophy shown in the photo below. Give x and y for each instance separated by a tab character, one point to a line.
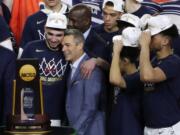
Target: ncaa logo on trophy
27	73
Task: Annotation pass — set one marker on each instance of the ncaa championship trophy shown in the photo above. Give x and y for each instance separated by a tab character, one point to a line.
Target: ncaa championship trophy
27	109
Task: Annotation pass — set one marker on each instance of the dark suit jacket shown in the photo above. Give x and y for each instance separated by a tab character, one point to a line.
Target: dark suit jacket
95	45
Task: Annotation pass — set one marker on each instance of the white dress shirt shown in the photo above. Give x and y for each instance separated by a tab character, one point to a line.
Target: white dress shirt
76	64
86	33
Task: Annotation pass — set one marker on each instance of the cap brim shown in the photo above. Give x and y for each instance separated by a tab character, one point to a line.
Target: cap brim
55	28
154	32
157	31
121	24
128	44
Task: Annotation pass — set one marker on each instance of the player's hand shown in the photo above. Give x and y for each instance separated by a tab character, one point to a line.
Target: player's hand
87	67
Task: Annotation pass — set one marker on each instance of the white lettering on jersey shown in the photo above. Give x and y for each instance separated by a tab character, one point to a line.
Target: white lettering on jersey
41	35
52	68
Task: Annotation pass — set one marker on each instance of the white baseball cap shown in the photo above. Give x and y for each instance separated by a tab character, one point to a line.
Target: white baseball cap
130	37
57	21
159	23
118	5
131	19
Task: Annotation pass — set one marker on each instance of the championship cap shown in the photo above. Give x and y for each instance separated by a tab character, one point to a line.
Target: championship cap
57	21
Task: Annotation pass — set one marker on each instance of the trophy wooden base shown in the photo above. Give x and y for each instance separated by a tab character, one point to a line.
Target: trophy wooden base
27	132
39	124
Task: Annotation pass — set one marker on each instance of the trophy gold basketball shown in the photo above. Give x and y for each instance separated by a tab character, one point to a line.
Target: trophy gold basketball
27	108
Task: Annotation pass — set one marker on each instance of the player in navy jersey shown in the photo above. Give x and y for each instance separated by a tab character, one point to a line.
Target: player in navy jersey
34	26
126	117
170	9
161	78
7	75
52	66
112	11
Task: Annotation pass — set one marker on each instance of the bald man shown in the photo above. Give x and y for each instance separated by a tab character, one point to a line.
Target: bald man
80	18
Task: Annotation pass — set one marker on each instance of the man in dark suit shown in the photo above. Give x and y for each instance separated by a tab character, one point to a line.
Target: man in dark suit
83	95
95	46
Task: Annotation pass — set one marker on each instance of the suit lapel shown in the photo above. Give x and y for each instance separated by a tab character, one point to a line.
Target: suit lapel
77	73
89	37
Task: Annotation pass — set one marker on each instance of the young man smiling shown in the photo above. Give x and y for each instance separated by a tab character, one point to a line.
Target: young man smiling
52	66
34	26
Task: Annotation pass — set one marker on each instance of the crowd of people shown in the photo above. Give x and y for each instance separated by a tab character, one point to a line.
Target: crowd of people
121	77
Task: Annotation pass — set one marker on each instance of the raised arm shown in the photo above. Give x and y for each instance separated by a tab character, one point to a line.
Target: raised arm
148	73
115	76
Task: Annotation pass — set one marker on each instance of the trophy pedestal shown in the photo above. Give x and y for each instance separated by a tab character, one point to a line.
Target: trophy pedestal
39	124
